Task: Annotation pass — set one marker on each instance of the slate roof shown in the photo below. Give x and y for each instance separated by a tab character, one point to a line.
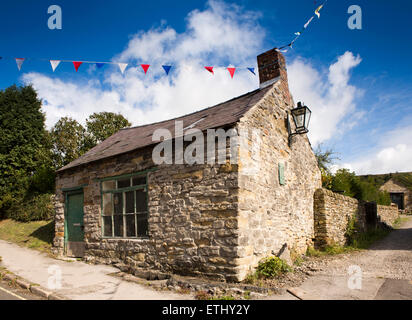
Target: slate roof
129	139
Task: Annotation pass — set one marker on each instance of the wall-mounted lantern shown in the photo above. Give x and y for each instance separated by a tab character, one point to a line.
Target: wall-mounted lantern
301	117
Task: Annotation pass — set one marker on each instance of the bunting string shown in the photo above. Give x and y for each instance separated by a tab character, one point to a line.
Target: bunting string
167	68
122	66
288	46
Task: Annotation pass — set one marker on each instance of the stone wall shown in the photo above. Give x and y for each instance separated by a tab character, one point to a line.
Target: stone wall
271	214
388	214
333	211
192	217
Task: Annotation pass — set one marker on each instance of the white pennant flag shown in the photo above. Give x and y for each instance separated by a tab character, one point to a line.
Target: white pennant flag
307	23
54	64
122	66
19	62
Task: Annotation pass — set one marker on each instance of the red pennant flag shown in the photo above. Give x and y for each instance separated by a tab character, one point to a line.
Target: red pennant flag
231	71
145	67
77	64
210	69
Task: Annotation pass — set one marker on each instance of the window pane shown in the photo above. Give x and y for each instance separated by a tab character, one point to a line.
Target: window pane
125	183
142	225
107	204
118	226
118	203
141	202
139	181
109	185
107	226
130	202
130	225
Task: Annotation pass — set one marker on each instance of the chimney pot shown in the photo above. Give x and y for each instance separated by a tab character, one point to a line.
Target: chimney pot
271	65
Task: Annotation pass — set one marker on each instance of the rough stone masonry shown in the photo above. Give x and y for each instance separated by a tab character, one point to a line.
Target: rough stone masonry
208	220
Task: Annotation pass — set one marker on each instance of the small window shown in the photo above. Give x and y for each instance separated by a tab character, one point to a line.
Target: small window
107	229
124	207
123	183
139	181
109	185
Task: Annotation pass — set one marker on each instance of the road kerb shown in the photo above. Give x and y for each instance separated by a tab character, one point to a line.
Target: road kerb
32	287
40	291
23	284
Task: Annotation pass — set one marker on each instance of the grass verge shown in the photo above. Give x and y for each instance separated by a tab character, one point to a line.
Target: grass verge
399	221
36	235
359	241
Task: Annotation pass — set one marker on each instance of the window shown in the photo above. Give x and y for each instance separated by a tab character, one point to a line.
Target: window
124	207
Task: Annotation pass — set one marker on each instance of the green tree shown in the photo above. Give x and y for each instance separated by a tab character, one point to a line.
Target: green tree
104	124
362	189
69	141
325	158
23	143
345	182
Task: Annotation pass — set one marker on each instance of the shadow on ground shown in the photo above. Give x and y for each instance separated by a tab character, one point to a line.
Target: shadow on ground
45	233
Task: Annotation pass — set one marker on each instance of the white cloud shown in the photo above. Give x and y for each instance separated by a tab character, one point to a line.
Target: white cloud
393	154
219	35
330	97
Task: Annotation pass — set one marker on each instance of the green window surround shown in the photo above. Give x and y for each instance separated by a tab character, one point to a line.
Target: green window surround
124	206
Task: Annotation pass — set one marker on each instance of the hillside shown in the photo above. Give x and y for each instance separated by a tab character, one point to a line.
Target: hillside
403	178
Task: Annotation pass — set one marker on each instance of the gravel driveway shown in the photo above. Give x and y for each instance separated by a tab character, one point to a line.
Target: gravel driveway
385	271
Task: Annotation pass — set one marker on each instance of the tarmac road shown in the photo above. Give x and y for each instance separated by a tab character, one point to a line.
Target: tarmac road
384	272
10	292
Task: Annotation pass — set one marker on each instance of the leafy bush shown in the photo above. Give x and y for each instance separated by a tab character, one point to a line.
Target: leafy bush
351	185
351	229
39	207
272	267
43	180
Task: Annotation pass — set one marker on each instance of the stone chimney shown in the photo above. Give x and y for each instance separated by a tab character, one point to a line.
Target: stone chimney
272	67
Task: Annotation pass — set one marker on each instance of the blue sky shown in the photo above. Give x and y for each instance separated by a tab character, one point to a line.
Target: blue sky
371	128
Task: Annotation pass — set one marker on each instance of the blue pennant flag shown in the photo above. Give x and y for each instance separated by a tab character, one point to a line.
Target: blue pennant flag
252	70
167	69
100	65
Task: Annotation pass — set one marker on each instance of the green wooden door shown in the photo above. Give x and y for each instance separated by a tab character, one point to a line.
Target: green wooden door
75	224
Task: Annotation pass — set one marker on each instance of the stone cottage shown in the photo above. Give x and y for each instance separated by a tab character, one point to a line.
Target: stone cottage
400	194
217	220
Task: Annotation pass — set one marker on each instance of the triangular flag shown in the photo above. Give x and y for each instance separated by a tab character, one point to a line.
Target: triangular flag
210	69
77	64
54	64
122	66
231	71
167	69
318	9
252	70
100	65
307	23
19	62
145	67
